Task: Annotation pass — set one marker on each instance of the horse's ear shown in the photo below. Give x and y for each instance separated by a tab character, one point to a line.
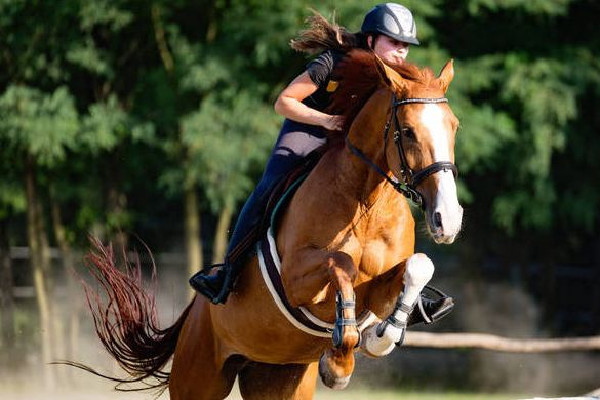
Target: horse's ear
390	78
446	75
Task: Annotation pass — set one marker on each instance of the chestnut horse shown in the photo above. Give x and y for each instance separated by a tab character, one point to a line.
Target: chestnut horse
346	244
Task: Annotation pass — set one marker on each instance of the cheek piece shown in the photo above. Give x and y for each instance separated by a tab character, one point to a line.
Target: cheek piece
411	179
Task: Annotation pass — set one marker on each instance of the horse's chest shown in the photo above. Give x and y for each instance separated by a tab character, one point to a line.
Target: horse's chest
376	255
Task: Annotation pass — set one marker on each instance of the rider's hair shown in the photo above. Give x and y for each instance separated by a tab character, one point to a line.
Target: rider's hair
323	35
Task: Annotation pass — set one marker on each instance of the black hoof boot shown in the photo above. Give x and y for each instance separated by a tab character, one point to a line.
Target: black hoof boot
210	286
431	309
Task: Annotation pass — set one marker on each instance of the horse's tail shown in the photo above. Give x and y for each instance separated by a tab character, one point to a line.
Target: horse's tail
127	323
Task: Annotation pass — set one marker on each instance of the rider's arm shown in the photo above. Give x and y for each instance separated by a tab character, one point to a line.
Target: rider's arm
289	104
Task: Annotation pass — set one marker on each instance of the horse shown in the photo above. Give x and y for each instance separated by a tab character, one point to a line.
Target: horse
346	244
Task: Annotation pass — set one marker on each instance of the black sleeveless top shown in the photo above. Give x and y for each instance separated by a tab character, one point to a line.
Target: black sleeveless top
320	70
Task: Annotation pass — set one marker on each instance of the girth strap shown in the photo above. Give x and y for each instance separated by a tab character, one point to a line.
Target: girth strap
300	317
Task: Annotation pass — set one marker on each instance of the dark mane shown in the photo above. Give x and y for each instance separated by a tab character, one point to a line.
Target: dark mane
358	79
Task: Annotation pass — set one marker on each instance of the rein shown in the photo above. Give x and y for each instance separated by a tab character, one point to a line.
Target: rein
412	179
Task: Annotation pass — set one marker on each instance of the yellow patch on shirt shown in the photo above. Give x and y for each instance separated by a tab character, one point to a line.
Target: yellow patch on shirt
331	86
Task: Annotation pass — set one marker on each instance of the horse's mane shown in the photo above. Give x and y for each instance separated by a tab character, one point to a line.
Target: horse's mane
358	78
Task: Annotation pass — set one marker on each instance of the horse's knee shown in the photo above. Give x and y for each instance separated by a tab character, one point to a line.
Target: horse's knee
341	268
419	270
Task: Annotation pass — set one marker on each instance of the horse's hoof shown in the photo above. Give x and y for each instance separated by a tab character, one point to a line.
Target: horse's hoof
329	379
374	346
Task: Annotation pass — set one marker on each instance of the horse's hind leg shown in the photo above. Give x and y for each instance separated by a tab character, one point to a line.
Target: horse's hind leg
197	373
278	382
337	363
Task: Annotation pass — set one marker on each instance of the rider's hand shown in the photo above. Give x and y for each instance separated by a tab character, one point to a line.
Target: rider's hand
333	123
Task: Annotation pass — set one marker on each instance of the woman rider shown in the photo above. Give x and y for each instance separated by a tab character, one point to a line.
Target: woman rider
388	30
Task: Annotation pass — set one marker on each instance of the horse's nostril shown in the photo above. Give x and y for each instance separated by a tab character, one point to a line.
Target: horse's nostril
437	220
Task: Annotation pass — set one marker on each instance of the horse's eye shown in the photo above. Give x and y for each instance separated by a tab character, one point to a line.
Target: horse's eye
408	133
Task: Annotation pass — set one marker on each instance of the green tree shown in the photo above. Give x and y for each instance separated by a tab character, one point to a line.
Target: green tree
38	128
525	81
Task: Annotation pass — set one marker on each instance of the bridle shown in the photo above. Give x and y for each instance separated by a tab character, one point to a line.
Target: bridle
411	179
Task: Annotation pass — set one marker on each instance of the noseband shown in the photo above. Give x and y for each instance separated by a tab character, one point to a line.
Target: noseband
411	178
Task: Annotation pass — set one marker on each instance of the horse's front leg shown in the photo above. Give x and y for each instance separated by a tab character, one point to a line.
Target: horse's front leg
380	339
337	363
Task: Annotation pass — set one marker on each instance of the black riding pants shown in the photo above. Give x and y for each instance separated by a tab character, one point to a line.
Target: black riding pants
295	142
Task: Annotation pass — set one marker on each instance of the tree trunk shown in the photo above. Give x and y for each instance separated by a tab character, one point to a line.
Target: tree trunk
72	308
221	233
40	265
56	323
116	206
193	239
7	305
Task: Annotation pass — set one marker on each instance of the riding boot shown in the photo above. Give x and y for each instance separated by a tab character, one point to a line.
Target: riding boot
232	271
216	286
209	285
430	310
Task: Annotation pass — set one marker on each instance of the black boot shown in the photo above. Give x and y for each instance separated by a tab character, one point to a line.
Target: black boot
430	309
212	285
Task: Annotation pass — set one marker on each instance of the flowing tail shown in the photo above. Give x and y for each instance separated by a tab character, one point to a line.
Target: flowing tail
127	323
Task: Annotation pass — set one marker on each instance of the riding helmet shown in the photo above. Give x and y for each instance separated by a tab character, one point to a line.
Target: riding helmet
393	20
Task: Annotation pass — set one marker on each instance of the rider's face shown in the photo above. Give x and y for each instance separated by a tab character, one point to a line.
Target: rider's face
391	51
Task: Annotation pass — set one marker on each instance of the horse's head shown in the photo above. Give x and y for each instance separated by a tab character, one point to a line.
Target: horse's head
420	144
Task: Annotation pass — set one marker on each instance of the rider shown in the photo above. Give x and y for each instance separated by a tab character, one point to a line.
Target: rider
388	30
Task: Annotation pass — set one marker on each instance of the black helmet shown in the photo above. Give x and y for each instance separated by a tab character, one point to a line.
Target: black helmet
392	20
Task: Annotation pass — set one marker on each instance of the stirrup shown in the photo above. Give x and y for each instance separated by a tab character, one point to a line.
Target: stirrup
444	305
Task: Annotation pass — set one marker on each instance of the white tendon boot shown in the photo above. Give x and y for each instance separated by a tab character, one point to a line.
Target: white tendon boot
380	339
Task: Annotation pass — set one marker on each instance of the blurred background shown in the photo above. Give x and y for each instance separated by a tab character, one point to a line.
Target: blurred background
144	121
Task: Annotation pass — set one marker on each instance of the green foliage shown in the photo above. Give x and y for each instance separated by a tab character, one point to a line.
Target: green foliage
39	124
107	125
99	19
551	7
87	56
516	92
85	87
228	137
12	200
105	13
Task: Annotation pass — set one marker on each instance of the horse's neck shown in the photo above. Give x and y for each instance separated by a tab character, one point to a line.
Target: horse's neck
367	135
343	205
